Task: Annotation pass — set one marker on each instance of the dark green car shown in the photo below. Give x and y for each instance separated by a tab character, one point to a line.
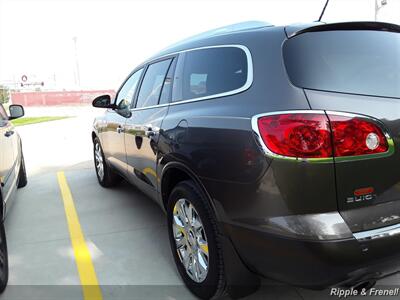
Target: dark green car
274	151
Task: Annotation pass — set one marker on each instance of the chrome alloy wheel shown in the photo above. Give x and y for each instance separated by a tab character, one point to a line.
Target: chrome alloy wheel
98	156
190	239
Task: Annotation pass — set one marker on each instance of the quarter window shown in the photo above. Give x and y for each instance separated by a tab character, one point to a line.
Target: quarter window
213	71
153	81
167	87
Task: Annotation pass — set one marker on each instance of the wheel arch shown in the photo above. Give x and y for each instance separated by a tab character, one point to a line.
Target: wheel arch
175	172
240	280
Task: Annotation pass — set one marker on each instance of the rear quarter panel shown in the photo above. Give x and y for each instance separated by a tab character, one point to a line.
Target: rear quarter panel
382	174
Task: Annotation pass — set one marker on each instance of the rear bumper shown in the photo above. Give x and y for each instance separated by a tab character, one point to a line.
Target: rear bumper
316	264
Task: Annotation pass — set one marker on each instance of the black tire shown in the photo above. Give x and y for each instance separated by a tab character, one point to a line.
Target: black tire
109	178
22	178
214	284
3	259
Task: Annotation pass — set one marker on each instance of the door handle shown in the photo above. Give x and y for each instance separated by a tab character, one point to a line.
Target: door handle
9	133
149	131
120	129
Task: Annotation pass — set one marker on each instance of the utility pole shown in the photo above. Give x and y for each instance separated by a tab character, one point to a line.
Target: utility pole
54	80
78	75
378	5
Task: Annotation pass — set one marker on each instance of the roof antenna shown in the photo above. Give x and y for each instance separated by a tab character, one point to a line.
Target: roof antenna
323	11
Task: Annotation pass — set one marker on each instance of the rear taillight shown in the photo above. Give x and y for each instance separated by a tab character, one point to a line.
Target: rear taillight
320	135
297	135
354	136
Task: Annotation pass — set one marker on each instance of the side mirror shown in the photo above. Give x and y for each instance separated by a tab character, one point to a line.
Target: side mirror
16	111
103	101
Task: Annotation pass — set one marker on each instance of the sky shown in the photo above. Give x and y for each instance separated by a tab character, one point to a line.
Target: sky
113	36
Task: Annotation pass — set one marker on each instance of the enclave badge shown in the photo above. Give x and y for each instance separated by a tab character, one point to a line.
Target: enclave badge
363	194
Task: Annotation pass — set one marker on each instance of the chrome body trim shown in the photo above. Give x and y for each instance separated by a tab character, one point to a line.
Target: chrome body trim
377	233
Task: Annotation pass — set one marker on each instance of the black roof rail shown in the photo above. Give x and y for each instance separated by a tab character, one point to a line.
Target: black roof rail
377	26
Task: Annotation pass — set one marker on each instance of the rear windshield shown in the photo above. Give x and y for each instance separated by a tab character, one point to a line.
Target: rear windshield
357	62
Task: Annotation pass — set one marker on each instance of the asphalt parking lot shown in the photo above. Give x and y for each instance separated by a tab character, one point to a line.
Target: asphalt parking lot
123	232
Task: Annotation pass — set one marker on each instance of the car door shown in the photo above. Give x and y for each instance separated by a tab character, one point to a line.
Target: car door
7	159
113	141
143	126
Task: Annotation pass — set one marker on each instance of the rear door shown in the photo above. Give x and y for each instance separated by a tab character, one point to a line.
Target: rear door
143	127
356	69
113	141
7	161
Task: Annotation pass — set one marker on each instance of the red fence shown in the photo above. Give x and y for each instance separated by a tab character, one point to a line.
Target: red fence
56	98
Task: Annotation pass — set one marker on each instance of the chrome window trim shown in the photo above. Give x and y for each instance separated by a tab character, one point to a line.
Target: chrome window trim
246	86
377	233
269	153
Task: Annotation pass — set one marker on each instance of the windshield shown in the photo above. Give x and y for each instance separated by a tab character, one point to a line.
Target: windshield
351	61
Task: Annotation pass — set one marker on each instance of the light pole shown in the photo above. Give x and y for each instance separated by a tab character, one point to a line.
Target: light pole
378	5
78	75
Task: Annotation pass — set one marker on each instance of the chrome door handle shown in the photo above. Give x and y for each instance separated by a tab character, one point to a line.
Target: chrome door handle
120	129
150	133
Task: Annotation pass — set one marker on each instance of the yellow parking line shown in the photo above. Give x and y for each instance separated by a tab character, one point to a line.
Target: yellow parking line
83	259
150	171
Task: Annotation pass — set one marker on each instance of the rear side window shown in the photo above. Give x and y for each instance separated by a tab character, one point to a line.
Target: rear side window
152	84
357	62
213	71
